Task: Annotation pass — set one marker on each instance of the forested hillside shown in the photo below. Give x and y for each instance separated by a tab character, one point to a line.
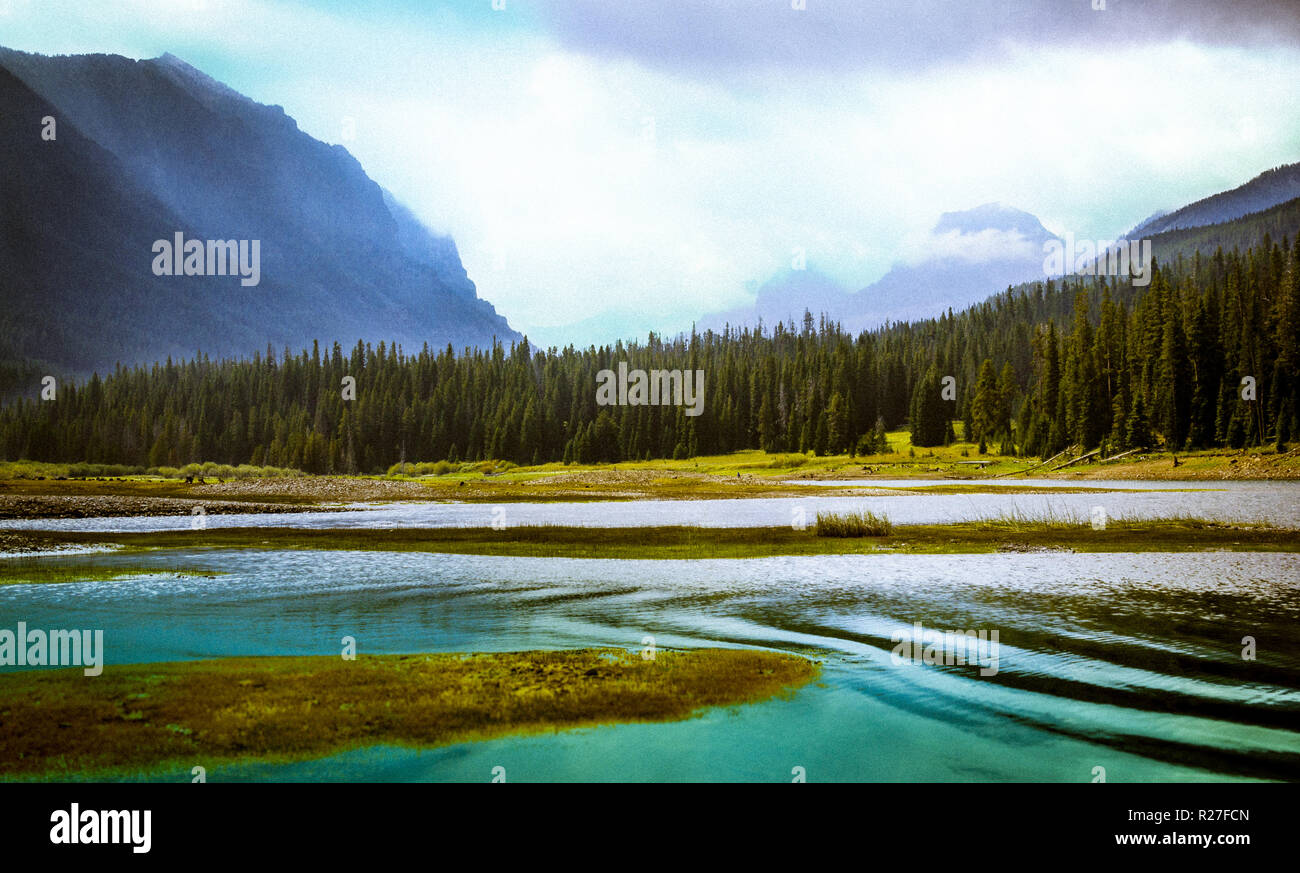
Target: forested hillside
1088	362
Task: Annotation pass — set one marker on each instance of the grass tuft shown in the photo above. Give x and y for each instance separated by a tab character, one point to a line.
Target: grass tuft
853	524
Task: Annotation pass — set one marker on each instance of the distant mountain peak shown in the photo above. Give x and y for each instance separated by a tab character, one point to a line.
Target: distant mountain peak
991	216
173	60
969	255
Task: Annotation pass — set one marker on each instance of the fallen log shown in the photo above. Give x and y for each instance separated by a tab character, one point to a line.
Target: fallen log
1120	455
1077	460
1035	467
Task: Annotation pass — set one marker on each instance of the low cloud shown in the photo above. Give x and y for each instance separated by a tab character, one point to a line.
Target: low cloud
974	248
836	35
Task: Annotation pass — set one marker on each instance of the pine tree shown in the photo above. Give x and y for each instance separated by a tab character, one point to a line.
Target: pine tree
986	407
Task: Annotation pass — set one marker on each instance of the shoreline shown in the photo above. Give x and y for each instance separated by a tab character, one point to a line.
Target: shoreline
720	478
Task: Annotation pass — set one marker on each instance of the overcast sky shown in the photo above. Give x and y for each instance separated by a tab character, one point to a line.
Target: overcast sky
614	166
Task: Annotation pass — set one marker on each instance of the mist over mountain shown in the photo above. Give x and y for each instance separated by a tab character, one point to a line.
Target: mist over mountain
966	257
991	217
146	149
784	298
971	255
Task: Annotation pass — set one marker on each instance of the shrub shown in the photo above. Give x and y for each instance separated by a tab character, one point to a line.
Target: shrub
83	470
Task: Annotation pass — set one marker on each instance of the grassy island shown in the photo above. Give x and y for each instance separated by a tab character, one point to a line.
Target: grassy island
149	717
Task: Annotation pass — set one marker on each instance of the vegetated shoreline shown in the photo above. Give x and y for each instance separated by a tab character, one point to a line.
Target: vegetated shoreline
676	542
152	717
25	493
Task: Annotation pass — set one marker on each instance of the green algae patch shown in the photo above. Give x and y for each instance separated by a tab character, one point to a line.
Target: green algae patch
148	717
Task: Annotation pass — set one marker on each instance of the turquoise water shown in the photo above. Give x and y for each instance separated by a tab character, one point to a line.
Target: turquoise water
1128	662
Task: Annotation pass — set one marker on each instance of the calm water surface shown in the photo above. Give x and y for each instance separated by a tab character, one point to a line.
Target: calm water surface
1273	502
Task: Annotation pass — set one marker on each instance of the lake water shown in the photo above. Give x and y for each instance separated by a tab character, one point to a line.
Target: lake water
1131	663
1273	502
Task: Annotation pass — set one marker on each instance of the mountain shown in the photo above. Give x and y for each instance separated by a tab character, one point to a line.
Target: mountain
971	255
1266	190
1149	220
1278	223
991	216
966	256
784	298
147	149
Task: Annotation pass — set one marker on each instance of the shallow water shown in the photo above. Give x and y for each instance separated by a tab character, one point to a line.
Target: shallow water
1272	502
1128	662
1125	484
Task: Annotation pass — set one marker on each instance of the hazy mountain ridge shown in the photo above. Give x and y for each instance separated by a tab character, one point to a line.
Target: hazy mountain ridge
165	148
1276	222
968	256
976	252
783	298
1266	190
927	287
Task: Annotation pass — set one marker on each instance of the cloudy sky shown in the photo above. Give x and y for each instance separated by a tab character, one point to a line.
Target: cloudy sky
613	166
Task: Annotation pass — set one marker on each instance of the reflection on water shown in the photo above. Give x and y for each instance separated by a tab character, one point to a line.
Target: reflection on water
1129	662
1272	502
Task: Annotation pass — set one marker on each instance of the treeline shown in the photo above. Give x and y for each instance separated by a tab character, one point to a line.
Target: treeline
1090	362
